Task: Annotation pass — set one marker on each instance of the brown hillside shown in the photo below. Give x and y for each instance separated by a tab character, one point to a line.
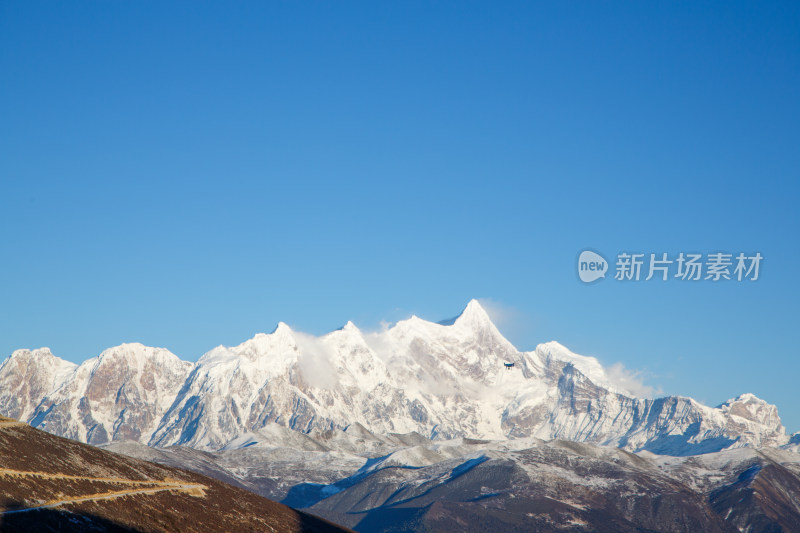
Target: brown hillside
49	483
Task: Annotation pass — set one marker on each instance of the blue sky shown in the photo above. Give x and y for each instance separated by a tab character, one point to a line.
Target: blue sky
188	174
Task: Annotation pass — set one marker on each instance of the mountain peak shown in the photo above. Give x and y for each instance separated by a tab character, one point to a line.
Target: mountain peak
35	353
41	357
136	351
474	307
131	348
349	327
753	408
282	328
473	314
747	397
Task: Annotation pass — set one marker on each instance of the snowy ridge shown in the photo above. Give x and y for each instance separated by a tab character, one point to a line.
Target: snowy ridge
441	380
28	376
119	395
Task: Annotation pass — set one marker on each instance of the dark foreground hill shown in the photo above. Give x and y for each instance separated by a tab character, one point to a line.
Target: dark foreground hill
48	483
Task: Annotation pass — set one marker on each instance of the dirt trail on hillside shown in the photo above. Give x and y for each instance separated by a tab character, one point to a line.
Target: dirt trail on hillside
145	487
50	475
192	490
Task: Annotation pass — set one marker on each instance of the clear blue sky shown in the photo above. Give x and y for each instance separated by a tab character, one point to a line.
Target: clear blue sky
188	174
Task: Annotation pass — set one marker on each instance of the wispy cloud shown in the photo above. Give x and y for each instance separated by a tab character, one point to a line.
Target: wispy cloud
314	361
508	319
631	380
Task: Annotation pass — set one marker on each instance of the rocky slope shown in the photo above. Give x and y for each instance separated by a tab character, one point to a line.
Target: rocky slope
376	483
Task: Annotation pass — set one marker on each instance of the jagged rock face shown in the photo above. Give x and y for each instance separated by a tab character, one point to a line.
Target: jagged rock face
28	376
441	380
120	395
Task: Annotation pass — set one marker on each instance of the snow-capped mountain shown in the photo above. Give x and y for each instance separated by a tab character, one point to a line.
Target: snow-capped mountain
442	380
28	376
122	394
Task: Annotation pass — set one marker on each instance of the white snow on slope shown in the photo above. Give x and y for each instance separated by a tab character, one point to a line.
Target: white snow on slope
441	380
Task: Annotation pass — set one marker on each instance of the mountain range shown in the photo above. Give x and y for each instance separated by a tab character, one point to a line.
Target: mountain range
443	380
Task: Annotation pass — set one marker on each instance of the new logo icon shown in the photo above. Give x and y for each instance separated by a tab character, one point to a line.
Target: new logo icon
591	266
